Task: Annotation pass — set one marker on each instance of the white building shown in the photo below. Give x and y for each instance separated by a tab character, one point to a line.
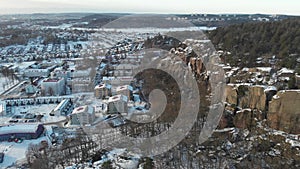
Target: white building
80	73
2	108
83	115
53	87
118	104
102	91
63	108
80	81
36	73
114	81
125	90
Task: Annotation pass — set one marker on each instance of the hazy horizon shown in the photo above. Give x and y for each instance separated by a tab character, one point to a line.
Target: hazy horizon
288	7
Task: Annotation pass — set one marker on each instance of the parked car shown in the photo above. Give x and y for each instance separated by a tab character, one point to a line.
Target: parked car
10	140
18	140
13	121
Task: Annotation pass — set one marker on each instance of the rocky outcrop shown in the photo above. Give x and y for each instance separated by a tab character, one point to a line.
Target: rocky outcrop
257	149
257	98
231	94
247	118
284	111
247	104
245	96
196	65
243	119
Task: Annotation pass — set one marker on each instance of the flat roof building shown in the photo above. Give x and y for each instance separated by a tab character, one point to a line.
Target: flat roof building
118	104
83	115
53	87
23	131
102	91
125	90
63	108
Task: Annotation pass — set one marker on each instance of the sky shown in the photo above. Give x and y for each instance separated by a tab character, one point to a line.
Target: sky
290	7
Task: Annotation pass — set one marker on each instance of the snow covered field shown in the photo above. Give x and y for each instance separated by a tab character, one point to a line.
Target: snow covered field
16	151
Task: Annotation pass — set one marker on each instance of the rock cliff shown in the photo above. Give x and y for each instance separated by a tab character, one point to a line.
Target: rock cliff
246	102
245	96
284	111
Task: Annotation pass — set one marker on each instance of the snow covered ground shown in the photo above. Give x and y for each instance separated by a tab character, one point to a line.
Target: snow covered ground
116	157
42	109
16	151
6	83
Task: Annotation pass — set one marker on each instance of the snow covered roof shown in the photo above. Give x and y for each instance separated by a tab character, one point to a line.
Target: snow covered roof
125	66
52	80
80	109
118	98
124	87
24	65
83	109
37	70
225	67
19	128
105	78
101	86
61	104
80	73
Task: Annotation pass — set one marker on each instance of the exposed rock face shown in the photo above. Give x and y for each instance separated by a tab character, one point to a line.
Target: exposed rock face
231	94
284	111
243	119
245	96
226	120
252	102
247	118
196	65
257	98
